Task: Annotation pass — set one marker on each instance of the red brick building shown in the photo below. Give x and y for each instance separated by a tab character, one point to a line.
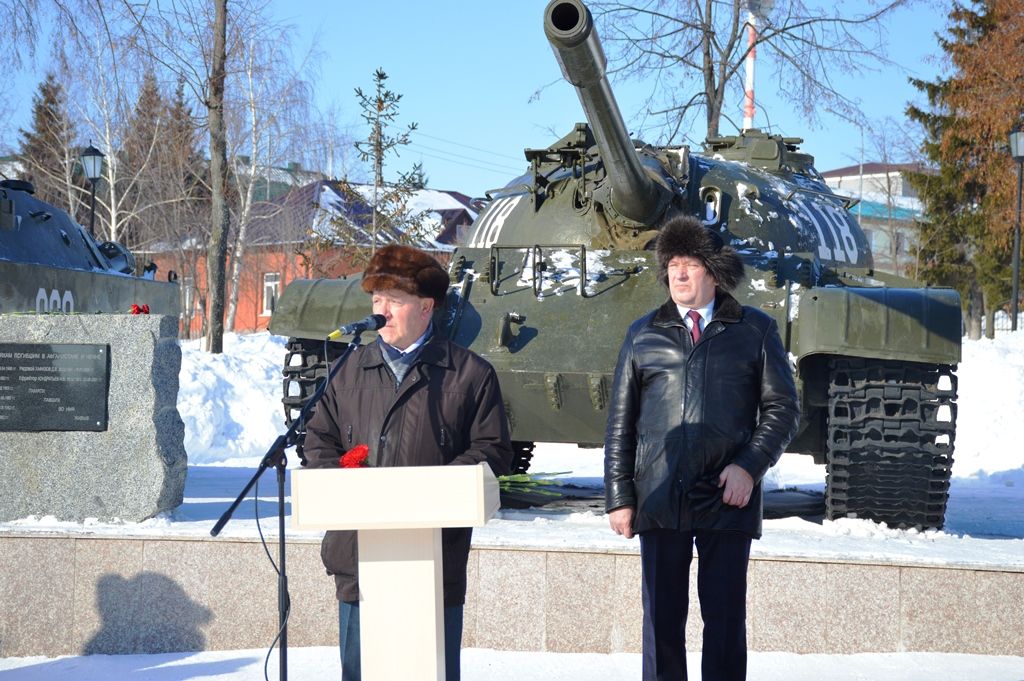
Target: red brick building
318	230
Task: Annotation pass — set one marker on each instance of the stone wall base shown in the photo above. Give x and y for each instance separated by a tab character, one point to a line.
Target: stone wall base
68	595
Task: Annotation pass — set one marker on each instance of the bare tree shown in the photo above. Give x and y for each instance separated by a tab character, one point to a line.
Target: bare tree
328	144
220	224
692	51
266	122
191	39
105	78
892	146
101	70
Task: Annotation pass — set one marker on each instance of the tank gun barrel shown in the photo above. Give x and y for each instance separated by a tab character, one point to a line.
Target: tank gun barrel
569	27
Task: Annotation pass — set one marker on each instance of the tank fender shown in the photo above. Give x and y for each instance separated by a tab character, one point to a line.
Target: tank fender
312	308
909	324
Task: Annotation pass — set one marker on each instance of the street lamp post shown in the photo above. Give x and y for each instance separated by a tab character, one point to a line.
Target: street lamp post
1017	152
92	164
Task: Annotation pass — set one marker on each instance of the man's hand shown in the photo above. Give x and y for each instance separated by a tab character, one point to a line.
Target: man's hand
738	485
621	520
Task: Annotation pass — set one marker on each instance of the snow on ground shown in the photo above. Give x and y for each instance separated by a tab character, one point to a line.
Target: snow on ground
306	664
230	404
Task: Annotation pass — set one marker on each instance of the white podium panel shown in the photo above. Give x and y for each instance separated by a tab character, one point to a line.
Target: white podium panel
399	513
393	498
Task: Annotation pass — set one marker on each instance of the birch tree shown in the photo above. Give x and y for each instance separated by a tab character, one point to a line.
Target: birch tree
268	119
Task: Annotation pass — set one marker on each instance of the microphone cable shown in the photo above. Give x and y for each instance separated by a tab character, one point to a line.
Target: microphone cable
273	564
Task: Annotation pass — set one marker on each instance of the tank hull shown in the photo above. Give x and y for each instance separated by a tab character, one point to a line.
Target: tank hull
554	343
43	289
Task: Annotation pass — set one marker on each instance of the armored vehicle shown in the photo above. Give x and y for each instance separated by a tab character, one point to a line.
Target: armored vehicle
560	262
48	263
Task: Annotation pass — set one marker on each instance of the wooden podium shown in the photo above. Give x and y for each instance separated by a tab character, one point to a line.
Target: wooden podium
399	513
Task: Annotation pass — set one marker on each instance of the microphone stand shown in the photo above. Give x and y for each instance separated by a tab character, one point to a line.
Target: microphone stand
277	458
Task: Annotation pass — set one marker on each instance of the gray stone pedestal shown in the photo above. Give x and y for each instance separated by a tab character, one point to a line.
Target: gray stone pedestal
133	470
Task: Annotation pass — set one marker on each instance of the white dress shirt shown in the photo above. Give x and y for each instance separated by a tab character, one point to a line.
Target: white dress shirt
705	315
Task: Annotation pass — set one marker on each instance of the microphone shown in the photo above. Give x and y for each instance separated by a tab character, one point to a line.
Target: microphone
371	323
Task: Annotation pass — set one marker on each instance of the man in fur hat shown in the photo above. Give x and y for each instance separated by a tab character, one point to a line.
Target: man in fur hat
413	398
703	405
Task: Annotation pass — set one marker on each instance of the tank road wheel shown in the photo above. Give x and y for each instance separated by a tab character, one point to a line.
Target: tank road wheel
891	427
522	452
304	370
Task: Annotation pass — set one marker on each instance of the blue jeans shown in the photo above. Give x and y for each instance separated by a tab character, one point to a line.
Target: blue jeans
348	641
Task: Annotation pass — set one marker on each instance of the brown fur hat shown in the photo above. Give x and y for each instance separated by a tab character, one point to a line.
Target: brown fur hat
407	269
685	235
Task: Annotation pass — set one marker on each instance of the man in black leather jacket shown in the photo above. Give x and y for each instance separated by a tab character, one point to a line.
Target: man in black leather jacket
703	405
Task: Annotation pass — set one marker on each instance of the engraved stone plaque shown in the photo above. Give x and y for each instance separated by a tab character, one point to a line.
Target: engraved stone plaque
53	387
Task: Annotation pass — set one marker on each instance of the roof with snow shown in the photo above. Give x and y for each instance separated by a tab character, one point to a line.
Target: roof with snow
340	212
336	211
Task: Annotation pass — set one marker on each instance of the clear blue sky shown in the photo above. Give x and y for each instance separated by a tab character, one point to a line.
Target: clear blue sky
467	71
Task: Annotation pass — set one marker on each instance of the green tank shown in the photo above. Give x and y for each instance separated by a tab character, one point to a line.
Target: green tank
560	262
50	264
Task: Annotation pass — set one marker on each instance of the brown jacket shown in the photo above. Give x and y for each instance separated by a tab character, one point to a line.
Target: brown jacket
448	410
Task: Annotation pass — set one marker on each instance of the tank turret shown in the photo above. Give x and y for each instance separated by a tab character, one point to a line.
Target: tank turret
559	263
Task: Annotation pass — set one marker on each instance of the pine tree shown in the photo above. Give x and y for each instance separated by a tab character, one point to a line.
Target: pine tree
182	147
989	89
389	200
417	177
964	239
139	171
46	148
185	189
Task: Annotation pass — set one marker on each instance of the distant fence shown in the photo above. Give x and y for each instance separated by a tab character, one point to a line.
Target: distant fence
1002	319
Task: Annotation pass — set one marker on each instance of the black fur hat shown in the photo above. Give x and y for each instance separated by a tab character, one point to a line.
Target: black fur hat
406	269
685	235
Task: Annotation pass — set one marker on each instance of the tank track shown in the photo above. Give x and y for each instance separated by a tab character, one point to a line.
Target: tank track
304	369
891	427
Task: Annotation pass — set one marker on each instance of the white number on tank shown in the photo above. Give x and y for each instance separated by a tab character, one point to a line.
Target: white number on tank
54	301
835	240
841	229
490	227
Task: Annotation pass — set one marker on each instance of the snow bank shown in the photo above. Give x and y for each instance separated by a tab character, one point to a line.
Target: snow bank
990	417
231	402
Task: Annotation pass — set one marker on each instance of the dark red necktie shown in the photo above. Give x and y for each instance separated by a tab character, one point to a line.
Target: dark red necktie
695	329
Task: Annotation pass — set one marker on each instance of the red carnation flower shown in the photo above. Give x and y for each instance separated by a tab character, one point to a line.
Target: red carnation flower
355	457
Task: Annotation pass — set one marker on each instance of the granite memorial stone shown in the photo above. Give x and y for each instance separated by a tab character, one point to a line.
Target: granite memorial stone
124	457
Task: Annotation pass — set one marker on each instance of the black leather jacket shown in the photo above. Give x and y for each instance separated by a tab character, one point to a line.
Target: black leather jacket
680	413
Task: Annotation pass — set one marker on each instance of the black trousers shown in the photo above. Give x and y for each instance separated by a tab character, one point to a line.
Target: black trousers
722	558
